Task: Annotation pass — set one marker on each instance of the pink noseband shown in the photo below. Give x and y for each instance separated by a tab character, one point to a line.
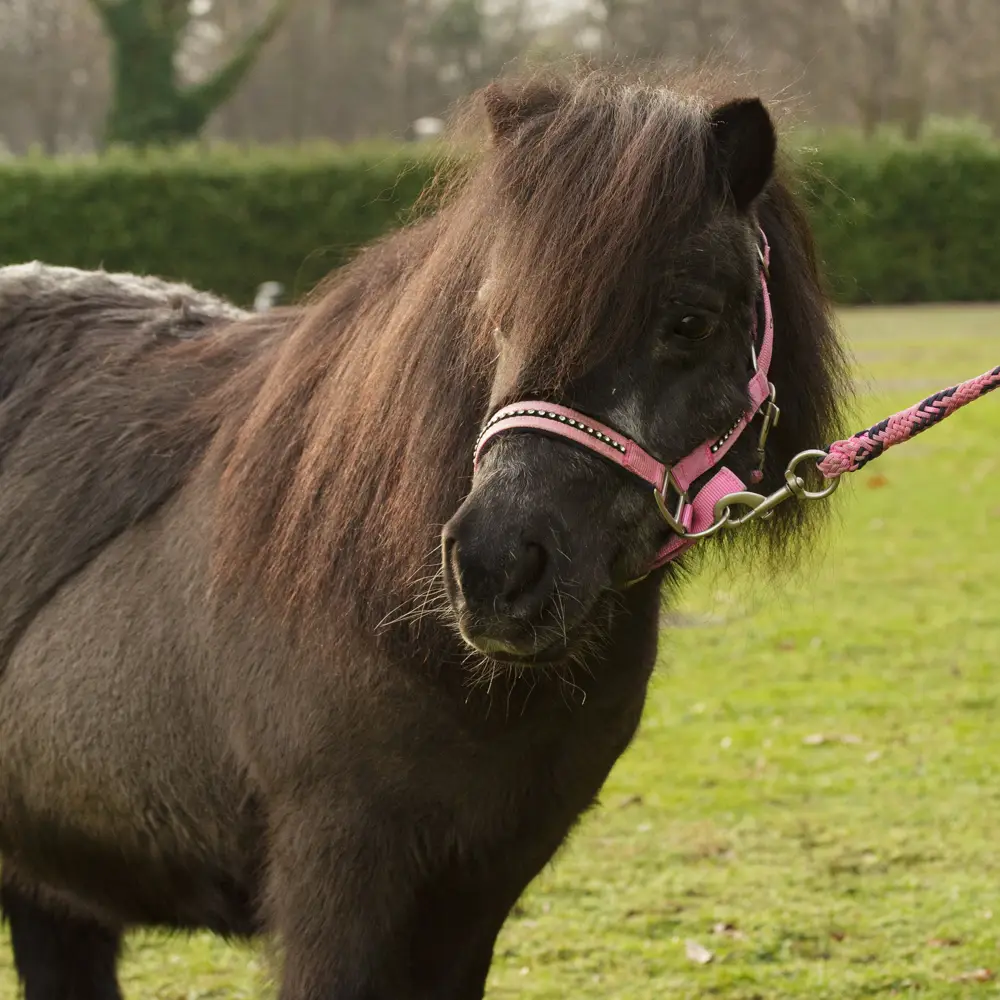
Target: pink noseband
693	517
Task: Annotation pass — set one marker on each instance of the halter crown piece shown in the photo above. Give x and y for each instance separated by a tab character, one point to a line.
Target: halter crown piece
690	518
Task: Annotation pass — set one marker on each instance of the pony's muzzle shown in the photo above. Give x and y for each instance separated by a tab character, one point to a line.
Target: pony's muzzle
500	583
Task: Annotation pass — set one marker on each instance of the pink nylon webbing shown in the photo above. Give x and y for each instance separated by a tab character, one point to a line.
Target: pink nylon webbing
563	422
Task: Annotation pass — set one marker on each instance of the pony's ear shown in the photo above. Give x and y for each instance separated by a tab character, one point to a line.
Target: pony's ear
507	112
745	141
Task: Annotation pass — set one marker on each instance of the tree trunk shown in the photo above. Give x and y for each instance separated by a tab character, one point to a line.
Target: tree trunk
149	106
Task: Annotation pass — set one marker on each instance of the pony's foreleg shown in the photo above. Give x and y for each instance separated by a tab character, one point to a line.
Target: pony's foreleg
58	955
361	918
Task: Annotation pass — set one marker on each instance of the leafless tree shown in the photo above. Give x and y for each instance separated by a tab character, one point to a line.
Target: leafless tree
348	69
52	61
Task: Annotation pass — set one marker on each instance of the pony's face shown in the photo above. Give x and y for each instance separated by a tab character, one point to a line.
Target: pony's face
551	532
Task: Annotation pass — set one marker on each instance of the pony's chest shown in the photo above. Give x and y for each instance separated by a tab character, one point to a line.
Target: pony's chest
548	764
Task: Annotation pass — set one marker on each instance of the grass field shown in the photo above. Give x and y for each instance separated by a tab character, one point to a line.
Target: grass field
814	799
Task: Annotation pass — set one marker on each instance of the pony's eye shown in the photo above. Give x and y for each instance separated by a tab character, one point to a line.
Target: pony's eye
694	326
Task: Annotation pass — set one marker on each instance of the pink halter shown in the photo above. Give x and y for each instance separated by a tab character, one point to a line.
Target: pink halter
693	517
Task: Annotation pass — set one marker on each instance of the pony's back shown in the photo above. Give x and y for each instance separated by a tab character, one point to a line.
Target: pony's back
97	374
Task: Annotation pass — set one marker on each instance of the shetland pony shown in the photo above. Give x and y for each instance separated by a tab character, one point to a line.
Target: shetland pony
273	660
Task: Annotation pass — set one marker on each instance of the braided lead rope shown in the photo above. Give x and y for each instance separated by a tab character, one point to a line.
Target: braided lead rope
857	451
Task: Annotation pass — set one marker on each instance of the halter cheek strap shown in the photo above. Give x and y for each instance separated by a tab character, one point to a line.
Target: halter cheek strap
692	517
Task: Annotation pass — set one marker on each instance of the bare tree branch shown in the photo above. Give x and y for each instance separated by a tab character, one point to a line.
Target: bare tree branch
220	86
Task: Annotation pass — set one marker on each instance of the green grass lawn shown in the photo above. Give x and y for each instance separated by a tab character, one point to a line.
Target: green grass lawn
814	797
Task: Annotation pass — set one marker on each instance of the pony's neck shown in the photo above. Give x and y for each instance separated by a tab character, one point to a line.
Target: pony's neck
358	446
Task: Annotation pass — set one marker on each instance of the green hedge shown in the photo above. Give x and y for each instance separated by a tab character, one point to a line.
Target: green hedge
904	222
895	221
224	221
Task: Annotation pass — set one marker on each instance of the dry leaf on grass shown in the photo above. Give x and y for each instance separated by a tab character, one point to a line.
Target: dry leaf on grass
630	800
818	739
976	976
697	952
728	930
944	942
876	482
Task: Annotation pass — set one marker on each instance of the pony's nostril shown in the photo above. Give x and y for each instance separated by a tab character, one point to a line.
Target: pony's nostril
451	561
526	574
487	579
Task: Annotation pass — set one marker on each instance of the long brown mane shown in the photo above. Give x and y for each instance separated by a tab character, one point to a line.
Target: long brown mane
358	446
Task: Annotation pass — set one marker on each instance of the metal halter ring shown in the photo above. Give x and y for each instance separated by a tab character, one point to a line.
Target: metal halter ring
772	414
673	519
797	485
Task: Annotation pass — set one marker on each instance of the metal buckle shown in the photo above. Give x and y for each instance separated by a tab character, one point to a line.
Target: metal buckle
674	519
763	261
772	414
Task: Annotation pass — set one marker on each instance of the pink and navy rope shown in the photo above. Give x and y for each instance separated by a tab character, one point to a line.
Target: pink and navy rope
855	452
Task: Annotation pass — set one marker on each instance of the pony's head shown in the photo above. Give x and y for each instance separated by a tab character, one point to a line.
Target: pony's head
623	281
